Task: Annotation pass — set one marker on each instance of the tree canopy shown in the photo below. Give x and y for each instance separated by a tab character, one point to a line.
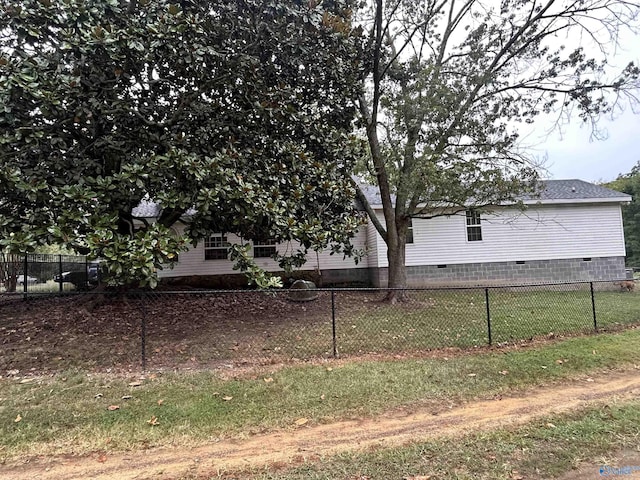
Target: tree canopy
629	183
233	115
451	83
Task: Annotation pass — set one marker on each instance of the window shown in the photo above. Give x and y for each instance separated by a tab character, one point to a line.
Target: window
410	231
216	247
264	249
474	230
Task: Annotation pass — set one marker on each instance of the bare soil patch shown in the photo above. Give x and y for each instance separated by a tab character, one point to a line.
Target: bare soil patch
306	442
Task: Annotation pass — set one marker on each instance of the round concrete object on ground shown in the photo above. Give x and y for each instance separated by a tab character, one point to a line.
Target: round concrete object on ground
303	291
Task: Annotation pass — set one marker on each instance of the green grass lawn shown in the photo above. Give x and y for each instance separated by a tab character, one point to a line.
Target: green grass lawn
68	412
188	330
458	318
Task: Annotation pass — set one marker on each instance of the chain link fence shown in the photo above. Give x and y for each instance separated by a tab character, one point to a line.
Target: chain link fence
195	329
41	273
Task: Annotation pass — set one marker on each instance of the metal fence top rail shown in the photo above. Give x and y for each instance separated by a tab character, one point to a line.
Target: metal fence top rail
194	291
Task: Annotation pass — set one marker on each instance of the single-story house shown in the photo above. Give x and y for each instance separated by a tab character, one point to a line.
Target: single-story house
572	231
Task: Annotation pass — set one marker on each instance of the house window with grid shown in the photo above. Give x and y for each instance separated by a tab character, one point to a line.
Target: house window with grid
410	231
216	247
264	249
474	230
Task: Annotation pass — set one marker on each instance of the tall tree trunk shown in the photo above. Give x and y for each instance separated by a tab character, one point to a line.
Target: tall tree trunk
9	266
396	253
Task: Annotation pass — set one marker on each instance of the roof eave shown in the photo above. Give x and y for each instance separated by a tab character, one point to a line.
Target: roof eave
548	201
566	201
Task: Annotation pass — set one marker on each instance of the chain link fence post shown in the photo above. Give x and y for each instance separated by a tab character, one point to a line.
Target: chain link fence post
143	332
486	299
593	308
25	276
333	323
60	284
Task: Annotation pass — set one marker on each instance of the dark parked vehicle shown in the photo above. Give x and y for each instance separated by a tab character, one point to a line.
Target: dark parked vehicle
82	280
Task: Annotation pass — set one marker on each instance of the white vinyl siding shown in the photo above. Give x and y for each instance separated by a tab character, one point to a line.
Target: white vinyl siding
192	262
373	246
540	233
543	232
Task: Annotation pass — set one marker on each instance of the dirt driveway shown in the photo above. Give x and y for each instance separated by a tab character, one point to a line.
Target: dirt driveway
309	442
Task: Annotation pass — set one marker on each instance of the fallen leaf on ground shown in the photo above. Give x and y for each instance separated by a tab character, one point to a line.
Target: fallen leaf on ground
153	421
301	421
268	380
503	372
18	418
227	398
113	407
559	362
160	402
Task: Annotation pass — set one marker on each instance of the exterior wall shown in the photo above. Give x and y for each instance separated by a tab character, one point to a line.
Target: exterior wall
545	232
553	241
374	245
193	264
511	273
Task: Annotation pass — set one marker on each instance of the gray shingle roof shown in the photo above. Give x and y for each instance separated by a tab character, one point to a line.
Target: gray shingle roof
146	209
561	190
550	190
573	189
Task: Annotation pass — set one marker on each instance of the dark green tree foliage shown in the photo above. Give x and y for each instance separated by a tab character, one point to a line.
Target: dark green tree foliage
450	83
235	114
629	183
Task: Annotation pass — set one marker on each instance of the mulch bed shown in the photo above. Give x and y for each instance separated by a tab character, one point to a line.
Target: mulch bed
189	329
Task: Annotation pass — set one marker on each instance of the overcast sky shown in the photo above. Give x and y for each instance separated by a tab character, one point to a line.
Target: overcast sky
573	154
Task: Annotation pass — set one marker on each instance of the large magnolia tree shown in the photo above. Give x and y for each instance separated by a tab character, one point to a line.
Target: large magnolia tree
451	82
233	115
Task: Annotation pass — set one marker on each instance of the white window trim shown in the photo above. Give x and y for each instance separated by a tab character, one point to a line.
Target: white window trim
411	229
269	243
211	245
469	226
